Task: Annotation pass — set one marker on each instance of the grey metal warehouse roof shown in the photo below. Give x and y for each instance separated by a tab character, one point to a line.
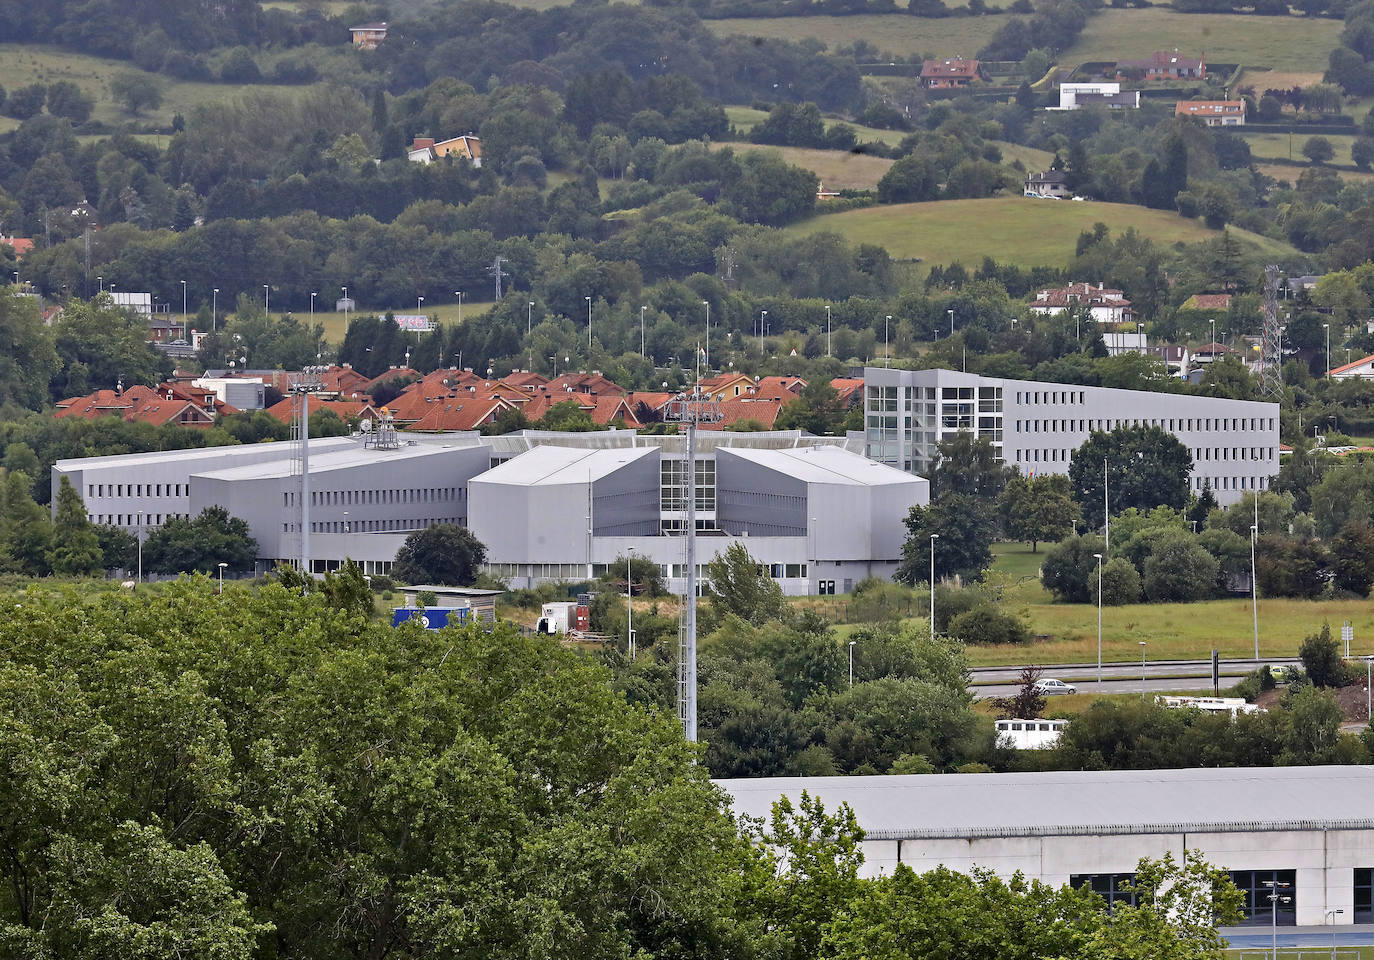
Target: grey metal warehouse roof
1083	802
554	465
825	465
356	456
226	453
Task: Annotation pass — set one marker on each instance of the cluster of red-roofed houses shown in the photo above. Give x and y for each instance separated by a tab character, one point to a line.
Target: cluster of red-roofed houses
448	399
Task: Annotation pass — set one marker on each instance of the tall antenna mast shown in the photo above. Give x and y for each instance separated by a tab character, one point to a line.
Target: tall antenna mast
1271	344
311	380
690	409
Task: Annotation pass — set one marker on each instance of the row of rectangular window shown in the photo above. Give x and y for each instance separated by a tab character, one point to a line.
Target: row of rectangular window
1271	896
370	526
137	490
1172	424
388	495
134	519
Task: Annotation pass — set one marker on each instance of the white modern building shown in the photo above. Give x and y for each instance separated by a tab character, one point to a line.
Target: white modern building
1076	96
1308	827
817	513
1036	427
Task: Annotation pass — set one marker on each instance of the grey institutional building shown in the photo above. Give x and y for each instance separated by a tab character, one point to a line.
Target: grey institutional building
1036	427
817	513
1308	828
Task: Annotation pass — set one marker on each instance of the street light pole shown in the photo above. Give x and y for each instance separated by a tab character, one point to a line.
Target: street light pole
1254	582
933	538
1274	899
1332	914
1099	618
418	301
1142	669
1327	328
222	565
762	314
589	326
951	322
827	330
267	300
629	603
851	664
312	307
186	324
214	309
707	303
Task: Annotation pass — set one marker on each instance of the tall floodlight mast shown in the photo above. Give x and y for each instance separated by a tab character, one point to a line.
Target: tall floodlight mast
1271	345
690	409
310	381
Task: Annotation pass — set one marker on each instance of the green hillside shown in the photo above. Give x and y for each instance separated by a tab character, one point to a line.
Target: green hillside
22	64
1016	230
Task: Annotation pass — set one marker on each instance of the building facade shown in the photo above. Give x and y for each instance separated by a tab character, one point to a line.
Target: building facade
1036	427
817	513
1307	827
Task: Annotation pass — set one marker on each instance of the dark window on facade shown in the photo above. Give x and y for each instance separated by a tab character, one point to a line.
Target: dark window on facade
1258	906
1107	886
1364	895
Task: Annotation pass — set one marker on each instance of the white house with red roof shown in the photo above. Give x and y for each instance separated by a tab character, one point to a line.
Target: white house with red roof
1362	369
1104	304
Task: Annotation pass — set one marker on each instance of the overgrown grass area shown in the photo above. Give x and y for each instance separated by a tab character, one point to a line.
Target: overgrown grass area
1283	171
22	64
1067	632
1171	631
1017	230
1282	43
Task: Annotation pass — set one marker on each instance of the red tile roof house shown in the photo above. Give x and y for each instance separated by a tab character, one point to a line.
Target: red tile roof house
1104	304
345	409
1162	65
1361	369
140	404
1214	113
950	74
761	410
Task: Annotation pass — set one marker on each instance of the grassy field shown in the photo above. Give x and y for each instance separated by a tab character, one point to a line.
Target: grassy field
447	313
1015	230
1283	171
1289	147
893	33
745	119
837	169
1282	43
21	64
1181	631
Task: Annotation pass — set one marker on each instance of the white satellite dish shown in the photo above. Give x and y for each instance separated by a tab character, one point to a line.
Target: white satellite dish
365	425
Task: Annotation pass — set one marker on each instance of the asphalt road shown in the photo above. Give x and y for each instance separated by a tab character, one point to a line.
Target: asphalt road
1122	677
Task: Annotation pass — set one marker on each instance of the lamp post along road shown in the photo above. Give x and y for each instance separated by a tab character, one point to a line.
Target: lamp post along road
1142	669
1099	618
933	538
827	330
851	664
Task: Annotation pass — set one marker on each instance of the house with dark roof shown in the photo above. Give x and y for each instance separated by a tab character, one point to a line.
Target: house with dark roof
1162	65
1051	183
950	74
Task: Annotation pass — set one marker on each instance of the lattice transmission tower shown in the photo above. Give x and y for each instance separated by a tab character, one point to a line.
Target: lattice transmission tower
1271	343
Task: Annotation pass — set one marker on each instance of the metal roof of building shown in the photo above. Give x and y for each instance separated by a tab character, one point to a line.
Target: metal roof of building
1082	802
358	456
549	465
825	465
511	444
226	453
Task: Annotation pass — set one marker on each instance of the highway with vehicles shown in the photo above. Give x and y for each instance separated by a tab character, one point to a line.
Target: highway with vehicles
1159	676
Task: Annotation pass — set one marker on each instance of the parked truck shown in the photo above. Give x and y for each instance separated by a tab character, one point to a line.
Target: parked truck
567	616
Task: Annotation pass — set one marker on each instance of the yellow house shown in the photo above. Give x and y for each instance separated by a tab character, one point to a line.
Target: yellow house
367	36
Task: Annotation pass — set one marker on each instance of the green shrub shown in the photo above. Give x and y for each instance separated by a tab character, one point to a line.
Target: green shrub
987	624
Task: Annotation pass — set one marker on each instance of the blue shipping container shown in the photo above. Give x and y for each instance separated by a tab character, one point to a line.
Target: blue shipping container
431	618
